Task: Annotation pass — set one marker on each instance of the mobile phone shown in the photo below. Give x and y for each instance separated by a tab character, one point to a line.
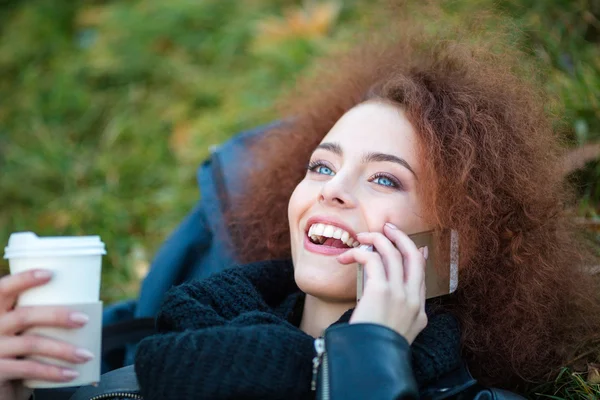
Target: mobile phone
441	268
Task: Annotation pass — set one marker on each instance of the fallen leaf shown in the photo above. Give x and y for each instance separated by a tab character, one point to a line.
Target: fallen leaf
139	261
91	16
180	138
57	220
163	45
141	268
591	224
593	375
578	157
323	17
311	21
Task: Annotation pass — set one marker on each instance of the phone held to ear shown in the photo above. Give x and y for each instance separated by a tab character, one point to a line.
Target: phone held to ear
437	282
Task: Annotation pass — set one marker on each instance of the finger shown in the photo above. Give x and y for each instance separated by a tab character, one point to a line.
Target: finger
416	278
11	286
33	345
392	259
29	369
407	248
23	318
371	262
423	288
415	285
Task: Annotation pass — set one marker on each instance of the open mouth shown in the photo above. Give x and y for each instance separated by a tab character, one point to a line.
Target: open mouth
331	236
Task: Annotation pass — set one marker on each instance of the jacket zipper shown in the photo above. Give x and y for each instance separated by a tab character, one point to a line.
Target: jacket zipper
321	361
117	395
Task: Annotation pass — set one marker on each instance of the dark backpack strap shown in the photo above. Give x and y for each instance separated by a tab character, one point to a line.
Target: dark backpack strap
201	246
114	336
460	385
115	385
184	248
119	341
198	248
449	385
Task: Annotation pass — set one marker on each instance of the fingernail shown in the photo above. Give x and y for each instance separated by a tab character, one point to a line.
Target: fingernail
391	226
42	274
69	373
79	318
84	355
425	252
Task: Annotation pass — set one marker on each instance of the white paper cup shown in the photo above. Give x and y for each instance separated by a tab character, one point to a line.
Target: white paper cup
88	337
76	265
75	261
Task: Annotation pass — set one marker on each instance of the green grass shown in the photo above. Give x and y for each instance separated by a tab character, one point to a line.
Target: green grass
108	107
568	385
105	116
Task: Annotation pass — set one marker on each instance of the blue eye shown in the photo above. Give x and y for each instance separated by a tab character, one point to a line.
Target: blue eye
386	180
320	168
324	170
382	180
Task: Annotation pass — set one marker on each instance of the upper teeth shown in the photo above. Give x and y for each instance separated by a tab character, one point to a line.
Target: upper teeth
319	233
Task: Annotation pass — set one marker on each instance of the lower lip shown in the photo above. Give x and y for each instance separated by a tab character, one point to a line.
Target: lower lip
320	249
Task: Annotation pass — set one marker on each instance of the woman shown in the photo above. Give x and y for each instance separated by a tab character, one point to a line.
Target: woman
249	332
399	138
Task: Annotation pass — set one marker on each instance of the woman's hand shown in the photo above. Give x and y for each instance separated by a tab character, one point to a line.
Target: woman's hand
14	346
394	294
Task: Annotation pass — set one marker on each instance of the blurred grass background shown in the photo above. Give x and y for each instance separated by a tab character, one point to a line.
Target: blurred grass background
108	107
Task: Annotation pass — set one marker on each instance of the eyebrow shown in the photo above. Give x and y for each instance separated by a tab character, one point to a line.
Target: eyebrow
332	147
369	157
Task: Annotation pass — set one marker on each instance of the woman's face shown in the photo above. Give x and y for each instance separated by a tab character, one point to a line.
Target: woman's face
364	173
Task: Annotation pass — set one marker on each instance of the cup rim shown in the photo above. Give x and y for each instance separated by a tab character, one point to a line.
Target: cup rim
29	245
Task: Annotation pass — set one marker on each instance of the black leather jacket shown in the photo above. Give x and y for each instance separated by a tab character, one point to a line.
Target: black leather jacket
368	361
358	361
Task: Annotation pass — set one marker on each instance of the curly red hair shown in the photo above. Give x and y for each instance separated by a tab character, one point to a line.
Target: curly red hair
491	171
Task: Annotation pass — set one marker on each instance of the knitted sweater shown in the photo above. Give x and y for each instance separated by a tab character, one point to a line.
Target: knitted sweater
235	336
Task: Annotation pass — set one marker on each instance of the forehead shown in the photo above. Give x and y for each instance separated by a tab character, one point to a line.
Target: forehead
375	127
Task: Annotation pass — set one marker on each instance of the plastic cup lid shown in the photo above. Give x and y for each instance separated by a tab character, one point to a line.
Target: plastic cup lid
28	244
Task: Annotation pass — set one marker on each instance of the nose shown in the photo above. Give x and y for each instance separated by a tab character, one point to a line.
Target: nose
337	193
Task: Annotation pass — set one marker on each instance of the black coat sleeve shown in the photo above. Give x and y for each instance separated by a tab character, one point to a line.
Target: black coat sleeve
255	356
219	339
368	361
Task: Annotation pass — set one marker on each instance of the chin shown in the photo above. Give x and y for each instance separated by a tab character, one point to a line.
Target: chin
324	282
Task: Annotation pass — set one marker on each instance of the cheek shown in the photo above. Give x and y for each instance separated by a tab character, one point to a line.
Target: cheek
292	206
295	204
402	212
300	201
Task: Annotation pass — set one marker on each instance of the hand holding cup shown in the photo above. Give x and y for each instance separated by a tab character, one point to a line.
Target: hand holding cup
17	348
50	313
